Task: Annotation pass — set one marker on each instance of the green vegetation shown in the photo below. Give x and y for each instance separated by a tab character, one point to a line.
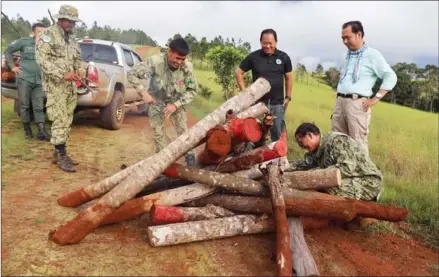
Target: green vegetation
402	142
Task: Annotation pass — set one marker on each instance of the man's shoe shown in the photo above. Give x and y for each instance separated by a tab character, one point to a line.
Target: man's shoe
27	131
63	162
42	135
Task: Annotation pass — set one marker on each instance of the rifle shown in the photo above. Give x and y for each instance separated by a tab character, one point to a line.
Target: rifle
51	17
13	26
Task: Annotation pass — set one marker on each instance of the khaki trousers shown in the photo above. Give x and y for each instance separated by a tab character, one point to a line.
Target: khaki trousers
350	118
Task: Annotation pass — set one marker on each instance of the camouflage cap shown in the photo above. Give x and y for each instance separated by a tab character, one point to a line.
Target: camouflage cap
68	12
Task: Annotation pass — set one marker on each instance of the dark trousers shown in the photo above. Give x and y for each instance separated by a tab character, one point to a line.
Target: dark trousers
29	92
279	112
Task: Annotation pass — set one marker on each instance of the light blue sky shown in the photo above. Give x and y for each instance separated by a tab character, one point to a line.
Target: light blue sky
308	31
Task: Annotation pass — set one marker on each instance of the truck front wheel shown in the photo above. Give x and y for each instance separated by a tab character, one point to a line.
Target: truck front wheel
113	114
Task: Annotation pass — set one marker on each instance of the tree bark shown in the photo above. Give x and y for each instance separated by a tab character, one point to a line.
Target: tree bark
161	214
303	263
93	191
135	207
254	172
283	252
335	209
216	179
313	179
178	233
147	170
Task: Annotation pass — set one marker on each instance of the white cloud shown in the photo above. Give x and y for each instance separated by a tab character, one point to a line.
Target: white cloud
308	31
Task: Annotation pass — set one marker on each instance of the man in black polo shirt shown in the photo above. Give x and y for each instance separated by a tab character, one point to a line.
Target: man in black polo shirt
275	66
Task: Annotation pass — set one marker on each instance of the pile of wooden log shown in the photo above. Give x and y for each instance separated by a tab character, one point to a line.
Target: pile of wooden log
233	191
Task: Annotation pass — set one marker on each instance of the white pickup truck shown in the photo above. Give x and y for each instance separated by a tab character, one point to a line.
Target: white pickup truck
107	86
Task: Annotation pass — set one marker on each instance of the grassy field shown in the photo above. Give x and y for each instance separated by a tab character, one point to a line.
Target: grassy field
403	143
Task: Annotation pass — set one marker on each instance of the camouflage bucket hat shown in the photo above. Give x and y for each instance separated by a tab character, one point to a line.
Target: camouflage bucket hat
68	12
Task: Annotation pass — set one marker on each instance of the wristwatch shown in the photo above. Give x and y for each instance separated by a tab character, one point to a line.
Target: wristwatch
288	97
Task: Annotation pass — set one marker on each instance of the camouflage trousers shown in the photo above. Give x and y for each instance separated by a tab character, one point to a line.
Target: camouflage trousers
61	102
157	121
360	188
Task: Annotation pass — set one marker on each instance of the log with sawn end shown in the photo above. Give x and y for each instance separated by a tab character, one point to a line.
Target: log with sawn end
142	174
283	251
161	214
313	179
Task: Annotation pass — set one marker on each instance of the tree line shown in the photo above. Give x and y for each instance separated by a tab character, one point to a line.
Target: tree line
416	87
130	36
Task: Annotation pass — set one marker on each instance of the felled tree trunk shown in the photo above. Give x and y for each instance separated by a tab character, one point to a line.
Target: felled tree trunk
135	207
303	263
145	171
336	209
161	214
216	179
283	252
254	171
313	179
178	233
93	191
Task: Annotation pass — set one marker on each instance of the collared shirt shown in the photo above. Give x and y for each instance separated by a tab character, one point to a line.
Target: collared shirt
168	86
373	66
271	67
30	71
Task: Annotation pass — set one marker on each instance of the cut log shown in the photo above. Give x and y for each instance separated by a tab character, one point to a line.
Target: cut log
93	191
313	179
258	155
283	251
254	172
335	209
135	207
147	170
161	214
216	179
267	124
186	232
303	263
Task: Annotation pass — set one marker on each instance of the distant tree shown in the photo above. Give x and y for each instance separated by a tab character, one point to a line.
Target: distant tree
319	69
332	76
225	59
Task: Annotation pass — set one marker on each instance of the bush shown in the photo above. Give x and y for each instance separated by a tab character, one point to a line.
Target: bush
205	91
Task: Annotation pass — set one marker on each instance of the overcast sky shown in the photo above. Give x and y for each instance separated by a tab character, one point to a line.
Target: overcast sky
308	31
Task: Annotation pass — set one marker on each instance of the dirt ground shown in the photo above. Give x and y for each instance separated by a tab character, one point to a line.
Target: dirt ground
29	211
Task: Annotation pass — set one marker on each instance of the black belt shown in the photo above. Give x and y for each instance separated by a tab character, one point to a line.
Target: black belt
356	96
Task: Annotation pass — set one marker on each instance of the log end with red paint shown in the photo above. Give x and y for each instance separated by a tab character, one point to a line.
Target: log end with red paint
172	171
161	214
74	199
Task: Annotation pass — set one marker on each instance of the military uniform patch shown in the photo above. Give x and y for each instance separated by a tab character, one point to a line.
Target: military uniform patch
189	82
46	38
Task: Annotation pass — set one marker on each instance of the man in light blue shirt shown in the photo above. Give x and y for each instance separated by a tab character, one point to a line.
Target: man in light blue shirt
363	65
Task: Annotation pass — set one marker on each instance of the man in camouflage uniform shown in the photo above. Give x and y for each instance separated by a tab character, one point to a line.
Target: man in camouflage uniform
59	57
28	76
169	86
361	179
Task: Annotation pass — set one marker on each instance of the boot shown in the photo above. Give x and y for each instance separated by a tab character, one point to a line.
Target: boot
27	131
55	158
42	135
190	160
63	161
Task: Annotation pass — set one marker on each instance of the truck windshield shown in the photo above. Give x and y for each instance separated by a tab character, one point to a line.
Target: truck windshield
98	53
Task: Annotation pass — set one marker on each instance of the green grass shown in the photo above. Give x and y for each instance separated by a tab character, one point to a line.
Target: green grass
403	142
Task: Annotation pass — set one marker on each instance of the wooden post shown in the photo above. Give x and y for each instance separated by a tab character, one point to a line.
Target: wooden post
135	207
93	191
303	263
161	214
178	233
313	179
283	252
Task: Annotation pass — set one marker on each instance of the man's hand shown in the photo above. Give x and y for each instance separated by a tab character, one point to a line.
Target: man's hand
147	98
286	102
16	70
71	76
81	74
369	103
170	108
